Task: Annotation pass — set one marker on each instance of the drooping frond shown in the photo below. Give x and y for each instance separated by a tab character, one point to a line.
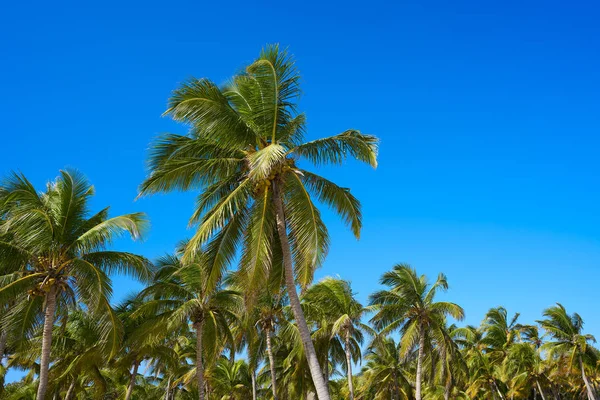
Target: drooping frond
336	149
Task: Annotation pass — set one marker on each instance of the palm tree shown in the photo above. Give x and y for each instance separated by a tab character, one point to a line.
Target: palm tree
568	339
242	151
500	332
53	255
385	372
231	380
343	314
182	294
409	305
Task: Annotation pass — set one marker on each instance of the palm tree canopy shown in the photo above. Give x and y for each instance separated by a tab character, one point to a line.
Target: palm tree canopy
50	241
181	294
410	302
243	136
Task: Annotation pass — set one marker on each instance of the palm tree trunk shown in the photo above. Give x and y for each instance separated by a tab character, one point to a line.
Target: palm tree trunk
349	365
590	391
420	361
396	388
498	389
3	339
309	348
168	393
271	363
134	373
448	387
199	362
540	389
71	390
253	385
46	342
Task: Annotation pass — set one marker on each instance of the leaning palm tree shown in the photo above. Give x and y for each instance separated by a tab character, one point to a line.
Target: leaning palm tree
181	294
343	314
53	255
568	339
242	152
409	305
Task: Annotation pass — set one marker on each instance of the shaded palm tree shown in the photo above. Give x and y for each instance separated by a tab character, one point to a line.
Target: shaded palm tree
180	295
569	340
242	151
53	255
409	306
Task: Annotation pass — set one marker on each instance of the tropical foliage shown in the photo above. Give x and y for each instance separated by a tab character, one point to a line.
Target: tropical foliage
233	313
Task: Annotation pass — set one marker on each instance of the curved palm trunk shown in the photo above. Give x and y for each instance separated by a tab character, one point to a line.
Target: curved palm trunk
199	362
46	342
590	391
420	361
309	348
349	366
134	373
271	364
71	390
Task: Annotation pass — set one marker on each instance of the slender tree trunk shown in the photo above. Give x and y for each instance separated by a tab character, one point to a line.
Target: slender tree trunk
253	384
349	366
540	389
420	361
199	362
71	390
46	342
590	391
3	339
168	393
132	379
271	363
396	388
448	387
498	389
309	348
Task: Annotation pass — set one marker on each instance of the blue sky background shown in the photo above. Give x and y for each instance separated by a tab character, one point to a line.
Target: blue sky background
488	114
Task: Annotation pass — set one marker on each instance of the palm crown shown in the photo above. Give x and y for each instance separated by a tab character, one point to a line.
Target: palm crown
53	255
244	136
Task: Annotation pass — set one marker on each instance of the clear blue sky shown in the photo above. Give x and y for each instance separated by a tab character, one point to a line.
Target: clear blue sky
488	116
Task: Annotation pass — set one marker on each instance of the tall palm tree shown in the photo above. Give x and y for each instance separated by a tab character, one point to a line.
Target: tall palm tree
409	305
343	313
53	255
568	339
181	294
242	152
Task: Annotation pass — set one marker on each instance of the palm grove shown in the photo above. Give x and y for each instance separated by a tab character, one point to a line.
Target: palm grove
233	312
